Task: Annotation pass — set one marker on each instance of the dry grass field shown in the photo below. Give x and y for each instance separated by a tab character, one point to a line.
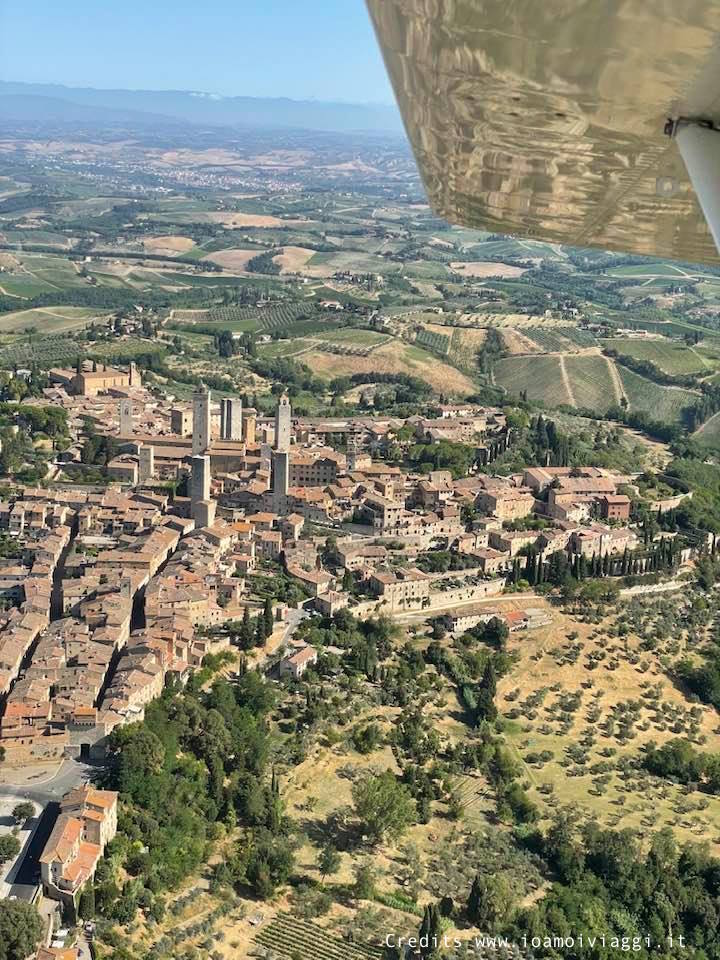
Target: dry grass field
582	701
168	244
293	259
233	259
485	268
235	221
394	357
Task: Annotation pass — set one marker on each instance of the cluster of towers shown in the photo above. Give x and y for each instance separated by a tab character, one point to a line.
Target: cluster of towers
235	426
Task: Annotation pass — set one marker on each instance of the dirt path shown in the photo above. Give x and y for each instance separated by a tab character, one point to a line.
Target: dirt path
703	360
517	343
566	381
616	381
30	273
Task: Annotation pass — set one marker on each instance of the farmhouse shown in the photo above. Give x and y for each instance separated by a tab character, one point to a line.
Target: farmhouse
297	663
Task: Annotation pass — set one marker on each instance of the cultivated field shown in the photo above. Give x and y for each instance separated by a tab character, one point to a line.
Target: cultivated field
709	432
559	339
659	402
48	319
670	356
168	244
517	342
503	320
233	259
293	259
234	221
588	381
595	385
540	376
394	358
487	268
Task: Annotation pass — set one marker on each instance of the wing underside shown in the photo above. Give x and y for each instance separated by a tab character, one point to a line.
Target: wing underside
546	120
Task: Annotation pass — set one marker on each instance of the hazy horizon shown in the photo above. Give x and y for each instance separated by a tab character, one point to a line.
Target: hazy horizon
210	95
273	49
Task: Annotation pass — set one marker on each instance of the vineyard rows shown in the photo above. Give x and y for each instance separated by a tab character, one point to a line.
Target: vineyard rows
290	937
670	356
659	402
539	375
556	341
592	384
436	342
581	338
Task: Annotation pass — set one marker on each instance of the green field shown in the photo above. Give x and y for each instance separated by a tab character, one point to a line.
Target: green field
23	286
351	335
659	402
57	272
593	386
48	319
558	339
709	433
354	262
650	269
436	342
589	385
284	348
539	376
670	356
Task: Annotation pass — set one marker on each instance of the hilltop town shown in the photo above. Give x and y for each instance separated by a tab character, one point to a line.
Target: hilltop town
221	535
114	584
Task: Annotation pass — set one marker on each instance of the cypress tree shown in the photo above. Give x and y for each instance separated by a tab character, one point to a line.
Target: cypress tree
246	631
475	899
268	617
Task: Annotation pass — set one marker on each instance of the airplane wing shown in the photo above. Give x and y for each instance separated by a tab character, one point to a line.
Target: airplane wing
549	120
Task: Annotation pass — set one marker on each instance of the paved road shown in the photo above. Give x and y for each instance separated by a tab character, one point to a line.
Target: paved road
71	774
295	618
25	875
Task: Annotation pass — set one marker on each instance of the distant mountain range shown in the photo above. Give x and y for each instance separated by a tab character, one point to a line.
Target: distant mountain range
41	102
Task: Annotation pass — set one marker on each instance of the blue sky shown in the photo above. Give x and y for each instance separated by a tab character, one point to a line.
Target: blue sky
304	49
